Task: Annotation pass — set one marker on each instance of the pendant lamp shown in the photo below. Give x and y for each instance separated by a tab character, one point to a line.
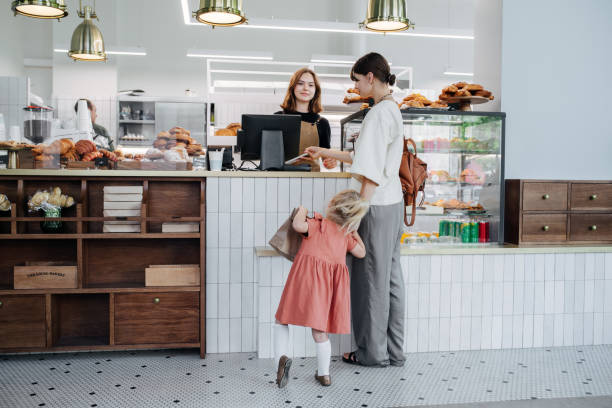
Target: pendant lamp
387	15
47	9
220	12
87	43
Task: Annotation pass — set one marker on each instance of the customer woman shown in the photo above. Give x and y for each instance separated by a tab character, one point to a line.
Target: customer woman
304	98
377	286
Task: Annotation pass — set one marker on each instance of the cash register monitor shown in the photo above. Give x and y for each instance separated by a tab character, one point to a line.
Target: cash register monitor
249	139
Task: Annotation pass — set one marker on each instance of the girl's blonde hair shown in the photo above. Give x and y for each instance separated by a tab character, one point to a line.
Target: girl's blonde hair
347	209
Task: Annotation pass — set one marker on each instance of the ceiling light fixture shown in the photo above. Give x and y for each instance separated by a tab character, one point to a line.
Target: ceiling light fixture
246	55
46	9
450	73
387	16
220	13
87	42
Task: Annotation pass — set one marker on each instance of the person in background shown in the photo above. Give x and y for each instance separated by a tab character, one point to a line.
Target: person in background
102	138
304	98
317	292
377	285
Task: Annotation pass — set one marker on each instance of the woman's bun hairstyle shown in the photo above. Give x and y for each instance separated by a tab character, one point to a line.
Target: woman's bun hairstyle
377	65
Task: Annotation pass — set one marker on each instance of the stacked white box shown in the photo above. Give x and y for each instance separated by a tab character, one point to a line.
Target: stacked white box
122	201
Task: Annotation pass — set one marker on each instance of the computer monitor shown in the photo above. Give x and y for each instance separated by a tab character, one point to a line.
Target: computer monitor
249	139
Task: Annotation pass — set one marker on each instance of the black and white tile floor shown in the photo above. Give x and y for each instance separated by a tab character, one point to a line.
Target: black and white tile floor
171	378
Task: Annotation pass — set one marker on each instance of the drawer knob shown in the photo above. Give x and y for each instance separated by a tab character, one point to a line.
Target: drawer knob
593	197
156	301
545	196
545	228
593	228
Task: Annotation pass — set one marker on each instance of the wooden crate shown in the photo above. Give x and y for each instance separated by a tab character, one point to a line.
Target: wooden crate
172	275
45	275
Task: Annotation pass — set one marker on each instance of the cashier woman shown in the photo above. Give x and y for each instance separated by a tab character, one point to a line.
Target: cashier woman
304	98
101	137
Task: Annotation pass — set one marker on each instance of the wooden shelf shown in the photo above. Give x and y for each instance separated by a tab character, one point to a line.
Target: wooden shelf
108	235
4	291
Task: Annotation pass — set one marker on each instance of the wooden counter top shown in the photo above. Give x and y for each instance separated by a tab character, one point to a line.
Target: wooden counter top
179	174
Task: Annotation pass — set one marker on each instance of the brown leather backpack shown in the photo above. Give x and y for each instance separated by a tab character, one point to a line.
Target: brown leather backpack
413	173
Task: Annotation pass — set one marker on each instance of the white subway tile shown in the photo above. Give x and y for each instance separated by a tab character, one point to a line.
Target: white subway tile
295	193
235	299
260	195
330	189
568	304
466	299
271	195
578	329
434	300
455	268
600	271
212	331
249	343
589	266
445	299
277	271
538	331
345	345
549	330
225	233
527	331
311	348
559	267
608	296
489	268
570	267
265	346
235	335
436	262
248	194
248	270
318	195
478	268
455	310
212	265
519	298
475	332
259	227
549	267
519	268
423	300
248	230
236	266
224	300
588	328
212	231
529	298
507	326
539	299
424	269
413	269
212	301
476	299
307	193
272	225
559	297
224	335
212	195
4	93
225	194
529	267
275	296
445	271
558	330
486	339
508	268
423	333
487	299
608	266
264	305
549	297
467	268
497	332
283	195
299	341
466	333
248	300
580	265
538	268
607	336
237	198
455	333
412	335
433	337
412	301
508	300
568	329
224	265
589	293
498	268
444	334
579	296
498	298
598	328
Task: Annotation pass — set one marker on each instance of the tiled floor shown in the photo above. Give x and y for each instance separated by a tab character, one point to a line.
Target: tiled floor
170	378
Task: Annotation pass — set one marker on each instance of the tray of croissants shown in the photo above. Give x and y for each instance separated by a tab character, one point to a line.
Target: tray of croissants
66	153
463	92
417	100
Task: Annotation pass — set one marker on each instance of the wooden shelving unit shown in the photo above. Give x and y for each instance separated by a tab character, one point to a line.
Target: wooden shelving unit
111	309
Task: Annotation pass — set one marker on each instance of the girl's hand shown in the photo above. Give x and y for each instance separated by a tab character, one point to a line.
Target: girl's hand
315	152
330	163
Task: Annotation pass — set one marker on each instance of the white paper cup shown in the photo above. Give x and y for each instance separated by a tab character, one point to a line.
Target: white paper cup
15	133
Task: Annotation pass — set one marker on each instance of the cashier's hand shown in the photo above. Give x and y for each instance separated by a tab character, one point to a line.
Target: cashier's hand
330	163
315	152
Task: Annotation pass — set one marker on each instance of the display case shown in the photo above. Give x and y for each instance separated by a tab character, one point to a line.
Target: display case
464	151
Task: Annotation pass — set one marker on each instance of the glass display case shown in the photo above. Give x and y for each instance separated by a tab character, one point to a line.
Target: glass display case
464	152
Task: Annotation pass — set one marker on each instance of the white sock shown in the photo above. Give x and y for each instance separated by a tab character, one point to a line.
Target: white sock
323	357
281	342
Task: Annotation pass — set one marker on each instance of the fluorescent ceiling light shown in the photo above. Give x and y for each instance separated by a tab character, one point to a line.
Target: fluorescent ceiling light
271	85
273	73
458	73
331	27
333	59
246	55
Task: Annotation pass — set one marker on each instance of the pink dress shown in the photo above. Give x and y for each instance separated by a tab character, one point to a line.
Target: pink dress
317	292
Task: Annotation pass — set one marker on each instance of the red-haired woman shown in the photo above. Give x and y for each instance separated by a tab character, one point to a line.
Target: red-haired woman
304	98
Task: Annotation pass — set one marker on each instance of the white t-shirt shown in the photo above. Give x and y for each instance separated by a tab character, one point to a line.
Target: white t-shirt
378	153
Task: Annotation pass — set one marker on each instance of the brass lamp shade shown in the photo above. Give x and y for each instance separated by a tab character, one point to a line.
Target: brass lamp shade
87	43
220	12
46	9
387	15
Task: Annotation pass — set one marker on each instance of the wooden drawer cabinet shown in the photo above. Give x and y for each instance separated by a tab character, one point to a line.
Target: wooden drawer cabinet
157	318
22	322
558	212
591	227
591	196
550	227
544	197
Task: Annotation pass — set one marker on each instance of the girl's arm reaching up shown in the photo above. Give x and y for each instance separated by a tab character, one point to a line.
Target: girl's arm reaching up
359	250
299	220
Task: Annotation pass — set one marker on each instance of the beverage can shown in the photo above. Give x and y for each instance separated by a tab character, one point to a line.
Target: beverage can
465	232
473	232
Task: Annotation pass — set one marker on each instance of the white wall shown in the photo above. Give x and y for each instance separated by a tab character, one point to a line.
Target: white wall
488	50
556	88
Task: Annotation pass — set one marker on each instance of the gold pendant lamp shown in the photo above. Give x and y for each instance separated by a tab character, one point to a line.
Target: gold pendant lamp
223	13
386	16
87	42
47	9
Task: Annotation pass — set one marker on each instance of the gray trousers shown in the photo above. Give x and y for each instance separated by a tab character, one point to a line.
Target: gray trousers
377	288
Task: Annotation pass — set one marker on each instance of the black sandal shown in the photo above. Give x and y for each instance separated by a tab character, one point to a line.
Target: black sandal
352	359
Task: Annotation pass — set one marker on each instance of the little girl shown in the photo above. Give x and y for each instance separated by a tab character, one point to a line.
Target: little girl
317	292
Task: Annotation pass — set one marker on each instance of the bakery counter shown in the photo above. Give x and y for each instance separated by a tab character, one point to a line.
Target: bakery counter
176	174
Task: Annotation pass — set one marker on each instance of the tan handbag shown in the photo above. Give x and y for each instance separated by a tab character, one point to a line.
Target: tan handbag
287	241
